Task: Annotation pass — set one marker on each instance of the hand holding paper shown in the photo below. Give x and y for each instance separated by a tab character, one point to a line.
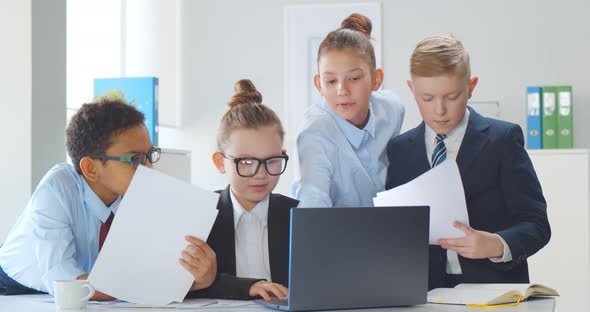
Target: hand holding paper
475	245
200	260
139	261
440	188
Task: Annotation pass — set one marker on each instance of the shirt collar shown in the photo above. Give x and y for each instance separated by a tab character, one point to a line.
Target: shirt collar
453	135
354	135
260	210
95	205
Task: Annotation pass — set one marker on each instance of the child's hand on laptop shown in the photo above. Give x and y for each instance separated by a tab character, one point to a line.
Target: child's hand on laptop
200	260
475	245
266	290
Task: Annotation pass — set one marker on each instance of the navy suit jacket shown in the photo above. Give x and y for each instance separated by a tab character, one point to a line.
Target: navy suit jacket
502	192
222	241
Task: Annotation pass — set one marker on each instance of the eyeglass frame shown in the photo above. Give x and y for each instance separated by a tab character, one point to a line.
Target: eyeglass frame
148	157
237	160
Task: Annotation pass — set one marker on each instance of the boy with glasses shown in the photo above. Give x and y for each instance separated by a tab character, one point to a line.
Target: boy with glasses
61	231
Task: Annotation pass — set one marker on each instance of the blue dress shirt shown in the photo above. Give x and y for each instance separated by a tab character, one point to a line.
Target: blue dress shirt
341	165
56	236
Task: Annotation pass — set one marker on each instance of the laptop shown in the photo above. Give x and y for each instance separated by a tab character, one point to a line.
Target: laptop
346	258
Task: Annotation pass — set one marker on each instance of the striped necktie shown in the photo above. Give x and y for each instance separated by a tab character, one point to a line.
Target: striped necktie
440	150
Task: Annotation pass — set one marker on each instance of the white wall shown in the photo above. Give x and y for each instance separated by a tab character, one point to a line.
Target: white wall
15	87
512	45
150	31
94	43
219	46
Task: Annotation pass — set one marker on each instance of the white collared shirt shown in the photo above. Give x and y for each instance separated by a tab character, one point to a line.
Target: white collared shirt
251	239
453	144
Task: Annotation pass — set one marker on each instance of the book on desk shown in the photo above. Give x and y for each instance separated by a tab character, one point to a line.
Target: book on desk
488	294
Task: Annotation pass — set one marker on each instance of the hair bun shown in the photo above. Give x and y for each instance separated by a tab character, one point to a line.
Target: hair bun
359	23
245	92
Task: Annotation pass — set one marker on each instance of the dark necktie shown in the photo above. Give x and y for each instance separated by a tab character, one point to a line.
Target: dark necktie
440	150
104	230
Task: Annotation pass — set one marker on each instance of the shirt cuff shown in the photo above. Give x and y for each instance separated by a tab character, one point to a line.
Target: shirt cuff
67	270
507	256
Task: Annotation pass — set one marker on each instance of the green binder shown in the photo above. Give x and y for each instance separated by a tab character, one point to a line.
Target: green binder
549	123
565	137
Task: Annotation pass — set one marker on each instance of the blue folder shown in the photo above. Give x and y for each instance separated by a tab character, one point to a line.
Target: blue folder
141	92
533	120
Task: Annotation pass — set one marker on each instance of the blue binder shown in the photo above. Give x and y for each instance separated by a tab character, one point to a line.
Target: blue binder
141	92
533	120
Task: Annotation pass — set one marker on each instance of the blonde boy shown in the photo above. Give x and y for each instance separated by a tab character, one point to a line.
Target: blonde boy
505	203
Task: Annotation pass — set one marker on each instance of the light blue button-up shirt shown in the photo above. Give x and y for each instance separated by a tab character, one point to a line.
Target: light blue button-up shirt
56	236
339	164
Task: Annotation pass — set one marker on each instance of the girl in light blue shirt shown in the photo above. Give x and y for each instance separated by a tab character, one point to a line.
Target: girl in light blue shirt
341	144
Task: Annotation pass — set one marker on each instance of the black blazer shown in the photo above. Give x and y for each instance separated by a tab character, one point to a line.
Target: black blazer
222	241
502	192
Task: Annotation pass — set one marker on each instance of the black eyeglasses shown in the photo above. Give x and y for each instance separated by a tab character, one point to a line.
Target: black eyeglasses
248	166
138	159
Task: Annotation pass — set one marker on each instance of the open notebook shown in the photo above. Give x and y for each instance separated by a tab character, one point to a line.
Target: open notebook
488	294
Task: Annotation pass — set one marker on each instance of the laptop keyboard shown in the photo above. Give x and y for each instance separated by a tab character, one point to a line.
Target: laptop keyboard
277	301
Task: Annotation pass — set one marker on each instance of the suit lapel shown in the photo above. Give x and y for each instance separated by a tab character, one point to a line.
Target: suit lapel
223	241
278	234
473	143
419	160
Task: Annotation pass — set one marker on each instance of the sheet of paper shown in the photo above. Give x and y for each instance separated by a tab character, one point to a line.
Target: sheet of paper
196	303
226	303
440	188
186	304
139	259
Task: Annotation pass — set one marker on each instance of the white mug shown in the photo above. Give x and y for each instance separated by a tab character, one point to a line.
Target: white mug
72	294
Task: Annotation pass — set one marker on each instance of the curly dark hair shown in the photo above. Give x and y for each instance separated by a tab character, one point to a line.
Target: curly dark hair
92	128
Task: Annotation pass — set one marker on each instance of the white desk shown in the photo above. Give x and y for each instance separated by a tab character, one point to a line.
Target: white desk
31	303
